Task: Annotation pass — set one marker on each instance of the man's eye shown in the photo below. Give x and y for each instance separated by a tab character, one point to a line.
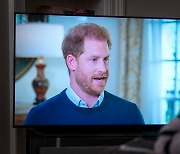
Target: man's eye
106	59
94	59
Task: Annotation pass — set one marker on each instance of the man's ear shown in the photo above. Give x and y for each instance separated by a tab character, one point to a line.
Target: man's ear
71	62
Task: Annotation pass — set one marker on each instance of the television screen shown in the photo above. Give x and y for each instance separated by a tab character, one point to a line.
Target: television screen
131	79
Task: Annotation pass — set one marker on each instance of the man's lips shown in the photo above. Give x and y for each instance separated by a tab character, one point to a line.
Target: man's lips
100	78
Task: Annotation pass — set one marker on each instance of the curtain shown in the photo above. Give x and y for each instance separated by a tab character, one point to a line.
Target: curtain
130	59
140	66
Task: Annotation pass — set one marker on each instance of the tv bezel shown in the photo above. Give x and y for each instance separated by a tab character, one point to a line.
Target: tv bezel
87	130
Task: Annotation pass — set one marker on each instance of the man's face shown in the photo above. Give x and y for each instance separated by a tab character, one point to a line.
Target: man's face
92	67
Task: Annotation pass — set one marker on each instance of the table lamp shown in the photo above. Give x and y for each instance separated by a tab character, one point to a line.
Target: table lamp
39	40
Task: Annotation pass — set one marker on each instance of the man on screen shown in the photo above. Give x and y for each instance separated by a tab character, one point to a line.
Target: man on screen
86	49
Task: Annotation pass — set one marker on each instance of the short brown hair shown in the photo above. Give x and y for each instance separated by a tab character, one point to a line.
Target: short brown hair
73	42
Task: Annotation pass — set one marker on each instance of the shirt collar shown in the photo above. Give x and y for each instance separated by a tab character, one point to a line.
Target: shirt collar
79	102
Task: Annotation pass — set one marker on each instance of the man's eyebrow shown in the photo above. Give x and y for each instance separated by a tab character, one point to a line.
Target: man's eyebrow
96	56
107	56
93	56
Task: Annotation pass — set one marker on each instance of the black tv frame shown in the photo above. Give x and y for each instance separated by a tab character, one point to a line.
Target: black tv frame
89	131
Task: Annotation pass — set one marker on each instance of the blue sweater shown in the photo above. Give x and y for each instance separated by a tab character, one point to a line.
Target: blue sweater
59	110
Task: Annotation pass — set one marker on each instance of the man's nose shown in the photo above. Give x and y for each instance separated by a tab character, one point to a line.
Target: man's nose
102	66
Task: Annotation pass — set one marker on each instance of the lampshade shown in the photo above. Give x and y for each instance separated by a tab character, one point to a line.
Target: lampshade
39	40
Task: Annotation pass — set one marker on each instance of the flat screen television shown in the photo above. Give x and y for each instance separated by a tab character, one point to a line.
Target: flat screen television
143	68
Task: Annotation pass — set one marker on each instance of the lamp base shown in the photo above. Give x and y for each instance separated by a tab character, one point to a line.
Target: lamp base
40	84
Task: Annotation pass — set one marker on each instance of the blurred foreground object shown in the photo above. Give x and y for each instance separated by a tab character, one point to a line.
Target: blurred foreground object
169	140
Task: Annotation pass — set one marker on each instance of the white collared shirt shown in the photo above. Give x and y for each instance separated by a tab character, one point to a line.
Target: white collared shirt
79	102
